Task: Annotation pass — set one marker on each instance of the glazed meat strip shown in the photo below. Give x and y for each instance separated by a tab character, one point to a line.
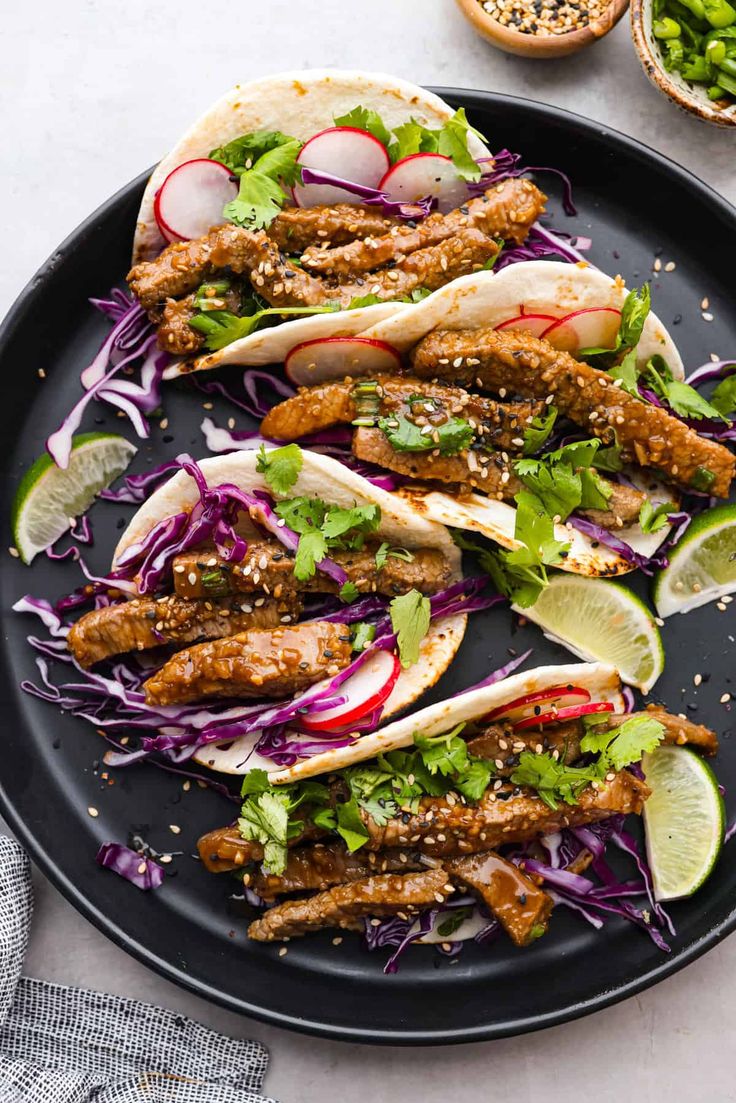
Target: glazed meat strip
225	849
442	829
297	228
507	210
521	907
269	568
479	469
315	868
258	663
147	622
345	906
677	729
312	409
520	363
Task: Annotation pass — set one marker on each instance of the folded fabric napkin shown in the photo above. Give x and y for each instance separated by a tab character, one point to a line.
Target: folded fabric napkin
69	1045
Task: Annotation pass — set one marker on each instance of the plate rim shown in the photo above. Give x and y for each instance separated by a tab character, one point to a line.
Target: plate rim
107	925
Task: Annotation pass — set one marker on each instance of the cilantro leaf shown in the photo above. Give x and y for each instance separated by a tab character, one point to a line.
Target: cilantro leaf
302	514
348	592
621	746
255	781
446	753
260	196
651	518
363	634
410	617
265	820
555	479
634	314
628	372
475	779
364	300
450	438
364	118
454	921
594	491
723	398
609	459
312	550
552	780
451	140
339	521
280	466
679	396
242	153
222	327
537	433
350	826
385	550
534	529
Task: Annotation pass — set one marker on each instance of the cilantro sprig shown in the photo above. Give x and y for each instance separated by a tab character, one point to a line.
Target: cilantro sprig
263	161
322	527
410	618
280	467
222	327
450	438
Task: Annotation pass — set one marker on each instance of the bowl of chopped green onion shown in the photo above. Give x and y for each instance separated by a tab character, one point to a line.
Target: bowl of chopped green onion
688	50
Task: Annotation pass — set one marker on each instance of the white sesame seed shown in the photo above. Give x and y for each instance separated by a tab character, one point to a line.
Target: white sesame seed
725	697
192	578
670	266
174	829
697	679
283	951
704	304
14	552
707	316
93	812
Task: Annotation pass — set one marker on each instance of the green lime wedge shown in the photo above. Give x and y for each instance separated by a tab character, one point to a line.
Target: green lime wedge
702	566
49	498
601	621
684	820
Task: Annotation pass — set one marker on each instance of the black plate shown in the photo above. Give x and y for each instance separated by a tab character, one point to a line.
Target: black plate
636	205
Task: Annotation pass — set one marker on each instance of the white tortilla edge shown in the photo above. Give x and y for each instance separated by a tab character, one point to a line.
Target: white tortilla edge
600	679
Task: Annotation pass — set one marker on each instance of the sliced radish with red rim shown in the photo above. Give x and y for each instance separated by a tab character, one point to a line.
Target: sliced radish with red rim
191	199
365	691
328	358
536	324
343	151
594	327
421	174
530	704
571	712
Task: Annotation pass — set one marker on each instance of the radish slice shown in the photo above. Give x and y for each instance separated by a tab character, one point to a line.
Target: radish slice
343	151
422	174
556	697
366	690
327	358
536	324
191	199
595	327
572	712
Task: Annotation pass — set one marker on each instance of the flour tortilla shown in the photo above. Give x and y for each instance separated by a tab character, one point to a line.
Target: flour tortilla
600	679
487	299
301	104
326	478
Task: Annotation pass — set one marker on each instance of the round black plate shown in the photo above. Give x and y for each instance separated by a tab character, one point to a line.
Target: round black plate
636	205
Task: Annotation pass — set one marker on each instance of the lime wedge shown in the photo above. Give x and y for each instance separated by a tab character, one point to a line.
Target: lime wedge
48	497
601	621
684	820
702	566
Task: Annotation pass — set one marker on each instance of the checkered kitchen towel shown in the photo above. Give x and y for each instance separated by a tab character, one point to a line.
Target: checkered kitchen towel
68	1045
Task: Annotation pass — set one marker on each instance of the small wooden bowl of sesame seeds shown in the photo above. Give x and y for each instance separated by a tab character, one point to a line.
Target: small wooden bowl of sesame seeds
542	28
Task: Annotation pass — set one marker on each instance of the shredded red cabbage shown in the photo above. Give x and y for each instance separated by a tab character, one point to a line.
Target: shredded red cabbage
646	564
131	338
505	165
136	488
542	242
372	196
140	870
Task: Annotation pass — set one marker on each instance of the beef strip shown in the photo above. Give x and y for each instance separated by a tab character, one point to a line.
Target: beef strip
257	663
269	568
521	907
175	335
317	867
478	469
624	506
225	849
145	622
507	210
519	363
345	906
444	829
677	729
312	409
296	228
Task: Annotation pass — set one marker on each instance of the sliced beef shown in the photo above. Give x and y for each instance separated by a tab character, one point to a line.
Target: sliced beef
678	729
225	849
520	363
521	907
501	425
258	663
296	228
507	210
175	335
345	906
443	828
500	744
145	622
478	469
268	568
317	867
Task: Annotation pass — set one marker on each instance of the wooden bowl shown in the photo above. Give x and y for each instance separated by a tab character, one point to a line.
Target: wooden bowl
689	97
532	45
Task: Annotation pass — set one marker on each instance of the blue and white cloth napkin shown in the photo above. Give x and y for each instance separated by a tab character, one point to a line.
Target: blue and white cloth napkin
69	1045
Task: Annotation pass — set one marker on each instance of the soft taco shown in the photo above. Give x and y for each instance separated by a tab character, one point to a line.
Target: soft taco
296	601
298	208
445	809
574	459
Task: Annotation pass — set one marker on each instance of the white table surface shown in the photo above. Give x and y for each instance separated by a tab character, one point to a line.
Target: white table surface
91	92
